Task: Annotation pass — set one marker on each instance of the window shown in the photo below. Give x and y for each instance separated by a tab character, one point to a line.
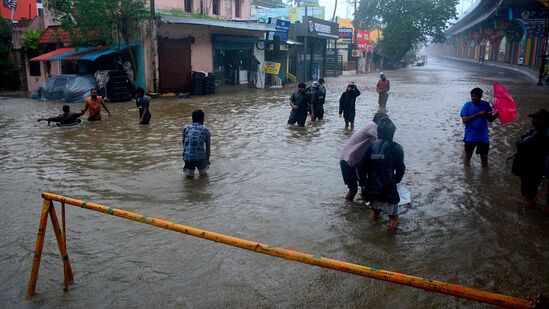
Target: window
215	7
189	6
34	68
237	8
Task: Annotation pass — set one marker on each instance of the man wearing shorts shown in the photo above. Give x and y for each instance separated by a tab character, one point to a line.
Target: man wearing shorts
196	145
475	115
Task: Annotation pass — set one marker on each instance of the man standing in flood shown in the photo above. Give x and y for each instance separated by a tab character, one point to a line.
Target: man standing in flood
475	115
382	88
94	104
347	105
300	103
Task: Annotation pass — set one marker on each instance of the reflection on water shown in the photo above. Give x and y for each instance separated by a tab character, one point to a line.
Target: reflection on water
275	184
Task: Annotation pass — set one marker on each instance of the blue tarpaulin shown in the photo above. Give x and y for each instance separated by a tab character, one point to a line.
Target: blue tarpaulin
116	48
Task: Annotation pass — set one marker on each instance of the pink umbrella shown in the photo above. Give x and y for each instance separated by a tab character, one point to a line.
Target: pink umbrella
504	104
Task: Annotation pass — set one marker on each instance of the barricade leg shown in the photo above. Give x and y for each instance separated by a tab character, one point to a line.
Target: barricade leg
38	248
67	270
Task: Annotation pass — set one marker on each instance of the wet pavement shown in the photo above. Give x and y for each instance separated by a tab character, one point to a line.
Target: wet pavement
273	184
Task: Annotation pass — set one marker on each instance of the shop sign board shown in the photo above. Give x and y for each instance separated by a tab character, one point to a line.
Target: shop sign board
282	28
271	67
346	34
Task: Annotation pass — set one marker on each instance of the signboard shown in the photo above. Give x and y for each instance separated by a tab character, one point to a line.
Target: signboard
346	34
292	14
271	67
282	28
362	39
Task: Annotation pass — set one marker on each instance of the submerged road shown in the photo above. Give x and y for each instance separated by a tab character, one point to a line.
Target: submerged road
273	184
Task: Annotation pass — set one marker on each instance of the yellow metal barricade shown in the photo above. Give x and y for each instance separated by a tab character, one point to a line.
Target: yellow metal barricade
403	279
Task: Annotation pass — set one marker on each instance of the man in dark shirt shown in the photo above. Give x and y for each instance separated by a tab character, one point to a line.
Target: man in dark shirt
300	103
66	118
347	105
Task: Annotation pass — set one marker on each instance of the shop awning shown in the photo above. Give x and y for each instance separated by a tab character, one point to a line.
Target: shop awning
98	53
81	53
218	23
70	53
53	54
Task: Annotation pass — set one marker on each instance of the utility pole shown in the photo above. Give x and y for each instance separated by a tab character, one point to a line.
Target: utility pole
154	45
355	35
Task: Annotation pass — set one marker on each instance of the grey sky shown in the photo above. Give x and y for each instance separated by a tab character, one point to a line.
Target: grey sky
345	8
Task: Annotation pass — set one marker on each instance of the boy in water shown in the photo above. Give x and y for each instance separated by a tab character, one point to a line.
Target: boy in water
66	118
196	145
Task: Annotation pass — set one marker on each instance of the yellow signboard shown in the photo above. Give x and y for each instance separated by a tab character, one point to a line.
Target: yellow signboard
271	67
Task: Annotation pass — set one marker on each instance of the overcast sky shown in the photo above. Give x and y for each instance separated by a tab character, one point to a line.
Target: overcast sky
345	8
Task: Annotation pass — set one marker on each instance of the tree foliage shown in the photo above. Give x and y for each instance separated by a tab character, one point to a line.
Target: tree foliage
29	42
5	31
405	23
99	21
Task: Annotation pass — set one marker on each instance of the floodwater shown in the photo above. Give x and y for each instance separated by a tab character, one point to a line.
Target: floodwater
273	184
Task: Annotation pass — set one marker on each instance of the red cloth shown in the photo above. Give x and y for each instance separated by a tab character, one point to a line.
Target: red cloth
504	104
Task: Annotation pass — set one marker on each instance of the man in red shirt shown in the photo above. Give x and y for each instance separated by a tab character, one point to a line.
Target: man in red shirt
93	104
383	86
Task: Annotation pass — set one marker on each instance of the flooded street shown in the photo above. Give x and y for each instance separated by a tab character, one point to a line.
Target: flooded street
274	184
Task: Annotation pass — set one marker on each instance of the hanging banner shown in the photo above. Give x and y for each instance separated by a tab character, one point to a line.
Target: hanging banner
362	39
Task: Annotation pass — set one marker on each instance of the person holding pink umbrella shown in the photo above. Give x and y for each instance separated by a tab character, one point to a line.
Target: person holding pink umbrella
475	115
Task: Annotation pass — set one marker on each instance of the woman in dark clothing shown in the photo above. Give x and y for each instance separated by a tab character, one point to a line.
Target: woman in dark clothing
347	105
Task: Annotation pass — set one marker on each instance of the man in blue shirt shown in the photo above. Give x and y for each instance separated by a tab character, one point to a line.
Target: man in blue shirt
196	145
475	114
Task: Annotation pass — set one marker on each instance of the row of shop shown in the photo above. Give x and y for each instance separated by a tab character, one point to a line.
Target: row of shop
165	60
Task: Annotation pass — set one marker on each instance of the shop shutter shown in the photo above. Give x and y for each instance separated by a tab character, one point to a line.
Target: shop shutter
174	65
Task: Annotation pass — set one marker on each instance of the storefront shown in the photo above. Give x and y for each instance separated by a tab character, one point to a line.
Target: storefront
317	36
211	46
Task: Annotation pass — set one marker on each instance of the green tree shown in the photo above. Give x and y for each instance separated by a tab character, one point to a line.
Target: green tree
101	21
405	23
29	42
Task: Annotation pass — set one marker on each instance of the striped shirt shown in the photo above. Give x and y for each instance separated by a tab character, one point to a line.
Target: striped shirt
195	137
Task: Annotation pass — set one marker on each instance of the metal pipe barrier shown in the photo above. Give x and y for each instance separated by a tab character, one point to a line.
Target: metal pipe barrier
403	279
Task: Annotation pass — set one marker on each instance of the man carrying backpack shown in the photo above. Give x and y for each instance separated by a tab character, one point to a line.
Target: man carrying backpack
382	168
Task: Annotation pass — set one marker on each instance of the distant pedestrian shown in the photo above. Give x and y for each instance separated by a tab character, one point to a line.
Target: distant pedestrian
353	153
476	114
67	118
530	158
196	145
382	88
94	104
317	102
300	103
253	71
347	105
380	172
322	87
143	102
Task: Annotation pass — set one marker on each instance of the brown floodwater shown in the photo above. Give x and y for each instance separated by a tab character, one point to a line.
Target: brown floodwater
274	184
